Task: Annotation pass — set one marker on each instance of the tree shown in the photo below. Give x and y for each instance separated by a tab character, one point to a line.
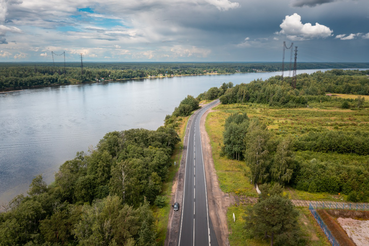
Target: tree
236	126
257	152
274	217
38	186
283	164
360	102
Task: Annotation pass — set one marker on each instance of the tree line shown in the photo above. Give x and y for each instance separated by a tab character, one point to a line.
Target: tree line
15	76
278	92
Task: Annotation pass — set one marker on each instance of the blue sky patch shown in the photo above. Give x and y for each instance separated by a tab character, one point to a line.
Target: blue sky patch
88	10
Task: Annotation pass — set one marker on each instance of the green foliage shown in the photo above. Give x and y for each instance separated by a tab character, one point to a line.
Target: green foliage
235	130
309	88
160	201
284	164
333	174
360	102
38	186
345	105
257	151
334	141
274	217
186	106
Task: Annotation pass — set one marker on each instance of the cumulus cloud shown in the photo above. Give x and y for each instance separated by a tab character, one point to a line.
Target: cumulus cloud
43	54
223	4
20	56
295	30
310	3
366	36
4	54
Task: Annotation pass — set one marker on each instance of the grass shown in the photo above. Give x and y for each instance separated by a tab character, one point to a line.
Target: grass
162	214
232	174
323	196
239	235
350	96
311	228
282	122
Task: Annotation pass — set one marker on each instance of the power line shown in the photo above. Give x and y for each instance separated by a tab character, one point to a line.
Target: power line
61	54
284	51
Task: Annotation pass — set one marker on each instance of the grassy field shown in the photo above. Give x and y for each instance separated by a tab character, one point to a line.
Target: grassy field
162	214
233	175
282	122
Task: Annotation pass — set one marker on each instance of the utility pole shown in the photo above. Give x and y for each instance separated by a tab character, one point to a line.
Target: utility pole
294	70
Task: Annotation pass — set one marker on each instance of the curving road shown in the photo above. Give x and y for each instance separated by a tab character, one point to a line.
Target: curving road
195	227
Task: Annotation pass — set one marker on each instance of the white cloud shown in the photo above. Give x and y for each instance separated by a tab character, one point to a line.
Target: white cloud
117	46
293	28
123	52
4	29
366	36
5	54
92	55
180	51
20	55
223	4
245	43
350	36
43	54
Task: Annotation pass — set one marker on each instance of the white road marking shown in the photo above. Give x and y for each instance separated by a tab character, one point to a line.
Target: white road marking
193	241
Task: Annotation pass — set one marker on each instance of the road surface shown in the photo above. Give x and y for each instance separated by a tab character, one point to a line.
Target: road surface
195	226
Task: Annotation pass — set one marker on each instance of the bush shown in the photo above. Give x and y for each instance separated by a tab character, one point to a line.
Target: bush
160	201
352	197
345	105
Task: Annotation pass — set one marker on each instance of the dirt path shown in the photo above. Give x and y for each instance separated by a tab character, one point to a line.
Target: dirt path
218	201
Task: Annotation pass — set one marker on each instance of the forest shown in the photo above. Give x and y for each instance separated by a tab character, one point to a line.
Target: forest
331	157
17	76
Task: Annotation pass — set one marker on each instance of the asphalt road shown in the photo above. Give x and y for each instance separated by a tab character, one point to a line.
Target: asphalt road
195	227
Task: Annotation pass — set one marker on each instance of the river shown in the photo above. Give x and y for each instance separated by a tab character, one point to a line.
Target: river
42	128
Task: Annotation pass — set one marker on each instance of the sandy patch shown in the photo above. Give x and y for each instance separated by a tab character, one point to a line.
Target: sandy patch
357	230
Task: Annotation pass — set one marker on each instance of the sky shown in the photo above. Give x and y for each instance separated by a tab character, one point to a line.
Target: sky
184	30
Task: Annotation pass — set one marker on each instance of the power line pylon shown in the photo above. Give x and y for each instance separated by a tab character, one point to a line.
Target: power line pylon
81	65
284	51
294	70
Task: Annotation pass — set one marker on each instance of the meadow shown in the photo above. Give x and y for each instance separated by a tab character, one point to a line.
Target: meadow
234	175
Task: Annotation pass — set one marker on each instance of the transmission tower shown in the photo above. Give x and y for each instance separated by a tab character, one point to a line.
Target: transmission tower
284	51
294	70
81	65
61	54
